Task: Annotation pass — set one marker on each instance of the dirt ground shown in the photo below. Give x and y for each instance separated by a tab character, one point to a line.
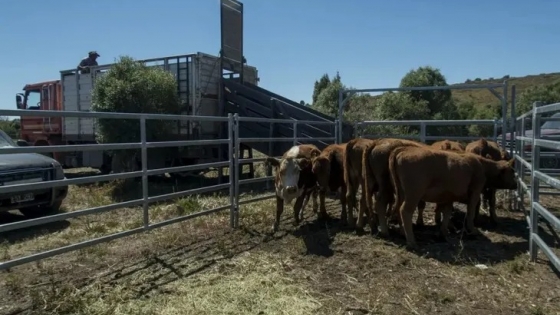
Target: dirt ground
202	267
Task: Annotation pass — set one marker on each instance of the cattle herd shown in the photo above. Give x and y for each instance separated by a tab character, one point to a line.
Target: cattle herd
400	175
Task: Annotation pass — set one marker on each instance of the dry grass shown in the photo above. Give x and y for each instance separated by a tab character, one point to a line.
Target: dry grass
202	267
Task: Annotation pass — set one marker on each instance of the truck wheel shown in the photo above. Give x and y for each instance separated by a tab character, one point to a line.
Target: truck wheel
39	211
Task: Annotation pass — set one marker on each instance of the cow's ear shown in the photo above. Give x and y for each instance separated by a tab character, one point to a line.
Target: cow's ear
274	162
303	163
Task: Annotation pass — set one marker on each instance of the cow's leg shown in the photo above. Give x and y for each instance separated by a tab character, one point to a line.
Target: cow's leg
279	210
474	200
420	218
351	199
381	211
362	210
343	203
492	207
304	205
322	207
444	225
314	200
406	212
298	205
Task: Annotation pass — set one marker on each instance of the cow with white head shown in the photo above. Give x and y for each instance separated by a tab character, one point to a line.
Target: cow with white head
294	179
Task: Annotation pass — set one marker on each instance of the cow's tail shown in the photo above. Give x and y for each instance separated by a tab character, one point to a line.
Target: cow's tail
368	178
395	180
346	162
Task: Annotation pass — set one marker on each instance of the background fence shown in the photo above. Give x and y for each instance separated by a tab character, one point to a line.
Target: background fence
233	183
526	167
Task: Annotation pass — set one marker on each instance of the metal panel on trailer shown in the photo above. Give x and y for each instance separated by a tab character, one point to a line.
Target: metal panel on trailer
231	18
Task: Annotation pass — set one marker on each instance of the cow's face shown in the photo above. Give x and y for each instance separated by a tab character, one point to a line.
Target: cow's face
321	167
507	178
287	176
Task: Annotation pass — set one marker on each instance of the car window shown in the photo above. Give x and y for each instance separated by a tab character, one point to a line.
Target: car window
5	140
552	124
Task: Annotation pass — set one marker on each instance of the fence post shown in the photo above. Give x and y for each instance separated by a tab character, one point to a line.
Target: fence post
144	156
521	174
423	132
295	132
237	150
232	174
535	183
495	131
336	131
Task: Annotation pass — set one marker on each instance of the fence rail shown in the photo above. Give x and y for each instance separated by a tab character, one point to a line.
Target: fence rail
539	177
234	161
531	164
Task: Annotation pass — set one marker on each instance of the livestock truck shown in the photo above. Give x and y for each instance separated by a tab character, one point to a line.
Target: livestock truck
198	79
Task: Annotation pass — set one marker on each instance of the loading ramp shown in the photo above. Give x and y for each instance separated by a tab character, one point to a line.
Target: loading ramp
249	100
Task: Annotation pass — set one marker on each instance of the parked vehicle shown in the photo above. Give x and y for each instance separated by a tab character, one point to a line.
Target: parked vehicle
198	83
550	130
26	168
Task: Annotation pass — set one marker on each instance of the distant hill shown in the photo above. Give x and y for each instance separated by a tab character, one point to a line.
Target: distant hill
484	97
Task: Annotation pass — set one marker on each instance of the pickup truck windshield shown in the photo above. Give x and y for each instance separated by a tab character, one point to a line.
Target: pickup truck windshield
5	140
552	124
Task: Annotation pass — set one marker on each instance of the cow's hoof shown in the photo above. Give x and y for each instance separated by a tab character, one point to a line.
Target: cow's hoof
360	231
274	228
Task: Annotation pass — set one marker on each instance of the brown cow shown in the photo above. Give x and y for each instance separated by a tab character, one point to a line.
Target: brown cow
329	169
493	151
353	179
294	179
446	145
375	161
443	177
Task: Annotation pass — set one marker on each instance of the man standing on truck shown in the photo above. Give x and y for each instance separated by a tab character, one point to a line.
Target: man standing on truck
89	61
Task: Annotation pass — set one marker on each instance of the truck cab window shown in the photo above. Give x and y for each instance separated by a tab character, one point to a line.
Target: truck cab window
33	100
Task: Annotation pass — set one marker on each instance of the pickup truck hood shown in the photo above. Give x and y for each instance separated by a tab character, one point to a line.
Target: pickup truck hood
529	133
23	160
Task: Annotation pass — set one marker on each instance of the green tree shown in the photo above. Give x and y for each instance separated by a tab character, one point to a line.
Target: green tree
397	106
10	127
319	86
548	94
427	76
327	101
132	87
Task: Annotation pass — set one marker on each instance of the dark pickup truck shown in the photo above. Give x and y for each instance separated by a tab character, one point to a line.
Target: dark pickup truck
550	130
27	168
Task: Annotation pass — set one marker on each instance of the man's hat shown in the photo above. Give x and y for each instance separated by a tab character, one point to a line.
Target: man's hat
94	53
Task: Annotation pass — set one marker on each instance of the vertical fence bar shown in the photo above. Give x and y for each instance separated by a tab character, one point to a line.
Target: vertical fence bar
232	174
336	131
495	131
340	113
535	183
295	132
423	132
237	150
144	151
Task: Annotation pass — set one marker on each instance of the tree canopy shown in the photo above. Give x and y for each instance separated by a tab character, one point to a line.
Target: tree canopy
132	87
423	105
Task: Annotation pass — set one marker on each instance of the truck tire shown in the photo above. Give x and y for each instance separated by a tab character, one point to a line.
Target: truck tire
39	211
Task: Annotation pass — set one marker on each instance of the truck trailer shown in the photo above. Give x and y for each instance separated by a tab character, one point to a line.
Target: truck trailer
198	77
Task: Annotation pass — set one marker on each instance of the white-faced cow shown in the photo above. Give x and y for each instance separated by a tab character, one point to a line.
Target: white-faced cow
294	179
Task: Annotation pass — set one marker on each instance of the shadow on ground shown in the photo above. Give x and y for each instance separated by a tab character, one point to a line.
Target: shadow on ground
30	232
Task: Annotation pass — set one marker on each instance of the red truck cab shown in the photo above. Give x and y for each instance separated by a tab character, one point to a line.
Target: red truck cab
41	131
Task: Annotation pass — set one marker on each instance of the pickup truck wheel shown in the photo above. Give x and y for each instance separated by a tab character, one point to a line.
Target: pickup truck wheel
39	211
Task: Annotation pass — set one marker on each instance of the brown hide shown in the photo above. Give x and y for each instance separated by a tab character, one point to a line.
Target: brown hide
375	172
353	178
328	167
443	177
492	150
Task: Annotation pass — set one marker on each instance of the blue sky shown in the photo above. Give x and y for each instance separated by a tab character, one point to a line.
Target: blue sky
292	43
